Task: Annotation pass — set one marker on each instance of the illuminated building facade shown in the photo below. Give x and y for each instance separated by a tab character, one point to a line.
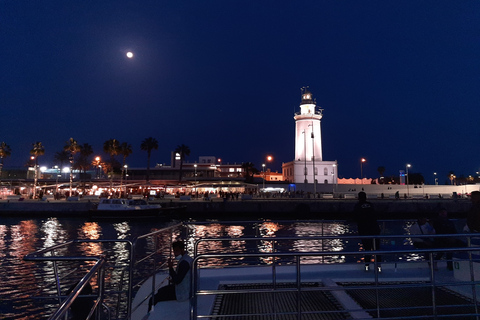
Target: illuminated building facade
308	166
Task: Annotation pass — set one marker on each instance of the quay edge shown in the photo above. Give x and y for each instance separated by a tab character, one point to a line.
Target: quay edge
255	208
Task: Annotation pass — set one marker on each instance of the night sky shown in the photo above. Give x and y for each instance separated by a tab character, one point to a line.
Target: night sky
398	80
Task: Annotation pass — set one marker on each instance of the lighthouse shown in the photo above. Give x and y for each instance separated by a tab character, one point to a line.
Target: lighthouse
308	168
308	136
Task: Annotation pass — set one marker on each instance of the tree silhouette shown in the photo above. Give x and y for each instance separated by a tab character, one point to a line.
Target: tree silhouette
250	170
112	147
72	148
5	151
37	150
148	145
61	157
451	176
83	162
184	151
125	151
381	171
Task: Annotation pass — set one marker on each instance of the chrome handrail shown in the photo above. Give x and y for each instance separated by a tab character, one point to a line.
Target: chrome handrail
97	268
297	255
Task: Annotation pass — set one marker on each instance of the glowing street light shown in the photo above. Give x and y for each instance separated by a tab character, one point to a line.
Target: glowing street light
263	168
408	190
98	166
362	160
35	177
435	180
334	182
56	180
195	166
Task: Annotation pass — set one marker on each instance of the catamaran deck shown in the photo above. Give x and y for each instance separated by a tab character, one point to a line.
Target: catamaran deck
277	278
327	292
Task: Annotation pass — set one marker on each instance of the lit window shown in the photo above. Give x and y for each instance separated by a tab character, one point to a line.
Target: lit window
231	170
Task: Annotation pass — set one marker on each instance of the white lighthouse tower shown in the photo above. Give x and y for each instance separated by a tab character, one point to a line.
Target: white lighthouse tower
308	136
308	167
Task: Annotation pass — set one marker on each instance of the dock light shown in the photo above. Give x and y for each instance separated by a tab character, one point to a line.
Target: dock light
408	190
263	168
362	160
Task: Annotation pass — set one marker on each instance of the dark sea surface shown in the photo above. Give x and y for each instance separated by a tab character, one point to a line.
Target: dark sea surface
21	280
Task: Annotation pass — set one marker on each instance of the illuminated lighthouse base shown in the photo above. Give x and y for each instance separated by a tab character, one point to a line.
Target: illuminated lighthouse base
300	172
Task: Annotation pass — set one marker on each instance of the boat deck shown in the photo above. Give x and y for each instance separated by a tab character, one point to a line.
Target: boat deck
328	292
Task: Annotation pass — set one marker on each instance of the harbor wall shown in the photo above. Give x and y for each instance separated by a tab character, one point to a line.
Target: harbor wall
256	208
331	208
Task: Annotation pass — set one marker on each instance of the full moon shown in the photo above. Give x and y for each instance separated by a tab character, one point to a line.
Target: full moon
129	54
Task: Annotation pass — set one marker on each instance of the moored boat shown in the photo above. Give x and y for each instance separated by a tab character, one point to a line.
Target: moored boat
130	208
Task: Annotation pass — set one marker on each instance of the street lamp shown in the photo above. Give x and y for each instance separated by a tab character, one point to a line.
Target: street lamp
305	154
263	168
361	168
313	161
56	181
435	181
195	166
35	176
97	163
334	181
408	190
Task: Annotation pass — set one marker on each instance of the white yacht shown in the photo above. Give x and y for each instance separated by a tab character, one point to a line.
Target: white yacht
122	208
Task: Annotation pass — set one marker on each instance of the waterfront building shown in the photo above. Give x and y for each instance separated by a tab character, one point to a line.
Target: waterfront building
308	167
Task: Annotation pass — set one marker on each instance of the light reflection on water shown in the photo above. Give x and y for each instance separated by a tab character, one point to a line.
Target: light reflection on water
20	280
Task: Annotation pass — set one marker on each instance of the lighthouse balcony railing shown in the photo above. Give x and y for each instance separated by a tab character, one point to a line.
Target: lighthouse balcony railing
320	112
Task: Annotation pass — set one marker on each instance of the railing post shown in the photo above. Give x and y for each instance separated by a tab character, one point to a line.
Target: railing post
274	279
432	281
472	274
101	289
299	288
57	282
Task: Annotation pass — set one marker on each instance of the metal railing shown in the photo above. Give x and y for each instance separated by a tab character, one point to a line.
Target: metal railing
96	269
127	283
295	259
153	260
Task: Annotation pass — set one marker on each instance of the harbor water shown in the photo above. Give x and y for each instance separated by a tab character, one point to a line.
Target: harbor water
20	236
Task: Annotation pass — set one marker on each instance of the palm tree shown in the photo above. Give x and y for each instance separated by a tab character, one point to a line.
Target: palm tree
112	147
250	170
83	162
148	145
183	151
5	151
125	151
61	157
71	147
37	150
451	176
381	171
